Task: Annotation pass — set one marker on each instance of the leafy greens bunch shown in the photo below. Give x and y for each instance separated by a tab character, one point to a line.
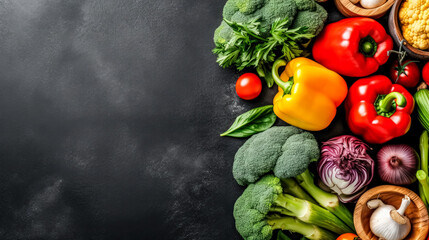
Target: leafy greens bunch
254	33
249	48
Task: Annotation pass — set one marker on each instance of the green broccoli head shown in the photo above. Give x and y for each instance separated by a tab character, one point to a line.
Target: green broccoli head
252	207
268	11
285	150
259	154
298	151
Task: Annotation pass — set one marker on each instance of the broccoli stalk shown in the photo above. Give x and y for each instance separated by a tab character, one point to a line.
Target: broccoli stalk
308	212
291	186
327	200
264	198
309	231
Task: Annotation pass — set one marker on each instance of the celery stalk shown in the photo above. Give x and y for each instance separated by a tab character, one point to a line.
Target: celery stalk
309	231
291	186
422	177
422	196
308	212
424	139
327	200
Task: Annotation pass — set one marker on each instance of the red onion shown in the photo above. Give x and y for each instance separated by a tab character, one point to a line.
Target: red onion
345	167
397	164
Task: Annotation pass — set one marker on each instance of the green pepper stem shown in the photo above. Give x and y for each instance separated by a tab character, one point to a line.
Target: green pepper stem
285	86
387	103
368	46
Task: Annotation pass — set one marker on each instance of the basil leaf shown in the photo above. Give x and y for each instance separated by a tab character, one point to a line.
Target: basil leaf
251	122
282	236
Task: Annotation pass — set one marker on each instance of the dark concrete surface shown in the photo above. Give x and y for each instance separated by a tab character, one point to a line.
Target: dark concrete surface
109	115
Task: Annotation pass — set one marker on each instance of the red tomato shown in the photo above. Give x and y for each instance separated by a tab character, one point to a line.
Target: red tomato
409	76
348	236
425	74
248	86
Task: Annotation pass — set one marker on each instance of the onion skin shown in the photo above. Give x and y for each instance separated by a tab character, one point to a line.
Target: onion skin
345	166
397	164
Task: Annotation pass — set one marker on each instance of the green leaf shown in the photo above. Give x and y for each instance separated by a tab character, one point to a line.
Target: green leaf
282	236
252	122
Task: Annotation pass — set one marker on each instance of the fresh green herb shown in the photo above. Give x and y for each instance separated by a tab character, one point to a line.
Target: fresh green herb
251	122
248	48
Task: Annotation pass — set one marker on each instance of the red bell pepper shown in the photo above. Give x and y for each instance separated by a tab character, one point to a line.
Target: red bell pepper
378	110
353	47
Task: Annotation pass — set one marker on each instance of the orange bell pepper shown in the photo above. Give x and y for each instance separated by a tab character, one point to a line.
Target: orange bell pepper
309	93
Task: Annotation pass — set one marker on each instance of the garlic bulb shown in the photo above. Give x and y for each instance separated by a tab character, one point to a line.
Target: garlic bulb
386	222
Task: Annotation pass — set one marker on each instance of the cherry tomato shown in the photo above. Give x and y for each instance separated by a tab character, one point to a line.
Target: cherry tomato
409	74
348	236
425	74
248	86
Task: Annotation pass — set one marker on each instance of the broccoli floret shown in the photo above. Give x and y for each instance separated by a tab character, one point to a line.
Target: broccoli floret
309	14
298	151
264	207
272	150
311	20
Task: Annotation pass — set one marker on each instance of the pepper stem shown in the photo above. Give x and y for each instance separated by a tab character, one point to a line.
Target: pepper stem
285	86
386	104
368	46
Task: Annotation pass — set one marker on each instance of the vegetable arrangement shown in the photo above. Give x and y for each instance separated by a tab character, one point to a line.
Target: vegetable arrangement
284	197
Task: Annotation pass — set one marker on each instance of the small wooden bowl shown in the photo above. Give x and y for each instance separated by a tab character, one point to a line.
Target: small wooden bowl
349	9
392	195
396	33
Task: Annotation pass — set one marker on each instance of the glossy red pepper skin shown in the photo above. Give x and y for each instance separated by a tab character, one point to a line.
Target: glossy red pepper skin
340	46
365	121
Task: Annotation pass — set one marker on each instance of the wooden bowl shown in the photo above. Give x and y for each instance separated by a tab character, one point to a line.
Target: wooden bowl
392	195
396	33
349	9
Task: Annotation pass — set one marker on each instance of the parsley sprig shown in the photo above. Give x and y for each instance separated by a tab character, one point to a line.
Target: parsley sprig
248	48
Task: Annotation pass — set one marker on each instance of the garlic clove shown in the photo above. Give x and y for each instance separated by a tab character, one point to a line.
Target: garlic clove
375	203
372	3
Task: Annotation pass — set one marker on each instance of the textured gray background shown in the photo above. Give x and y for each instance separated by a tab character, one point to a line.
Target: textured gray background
109	115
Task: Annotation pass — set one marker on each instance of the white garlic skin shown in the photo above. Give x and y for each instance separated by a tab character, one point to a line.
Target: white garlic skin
384	227
371	3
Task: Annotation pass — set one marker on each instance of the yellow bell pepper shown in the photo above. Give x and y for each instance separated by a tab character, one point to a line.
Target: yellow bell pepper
309	93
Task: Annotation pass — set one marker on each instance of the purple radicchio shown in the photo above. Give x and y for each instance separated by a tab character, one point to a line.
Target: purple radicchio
345	167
